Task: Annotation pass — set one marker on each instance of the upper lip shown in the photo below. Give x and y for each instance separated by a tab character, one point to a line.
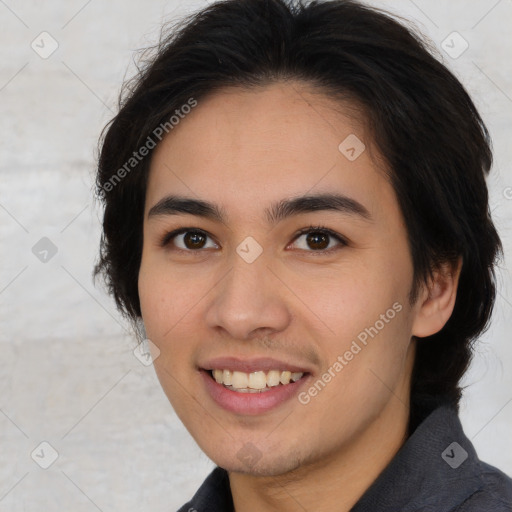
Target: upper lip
250	365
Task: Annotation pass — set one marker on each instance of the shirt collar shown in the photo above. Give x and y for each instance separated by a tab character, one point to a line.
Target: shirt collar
436	467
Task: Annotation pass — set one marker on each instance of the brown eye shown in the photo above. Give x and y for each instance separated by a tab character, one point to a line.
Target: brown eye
194	240
318	239
187	240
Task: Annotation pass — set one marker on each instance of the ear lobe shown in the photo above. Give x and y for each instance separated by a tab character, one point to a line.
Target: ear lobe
437	301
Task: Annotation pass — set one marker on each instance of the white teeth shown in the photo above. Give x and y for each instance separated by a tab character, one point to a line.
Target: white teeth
273	378
240	380
227	377
285	377
255	381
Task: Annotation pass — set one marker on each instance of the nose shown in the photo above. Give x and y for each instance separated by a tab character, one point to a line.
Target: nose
249	301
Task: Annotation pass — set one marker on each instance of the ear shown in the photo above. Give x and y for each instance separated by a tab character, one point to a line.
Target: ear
437	300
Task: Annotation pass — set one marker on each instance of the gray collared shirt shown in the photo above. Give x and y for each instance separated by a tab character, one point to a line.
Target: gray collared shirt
436	470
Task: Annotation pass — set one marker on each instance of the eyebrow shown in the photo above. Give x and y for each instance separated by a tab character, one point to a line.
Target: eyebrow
176	204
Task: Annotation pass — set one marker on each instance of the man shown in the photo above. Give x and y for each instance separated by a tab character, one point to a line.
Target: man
307	241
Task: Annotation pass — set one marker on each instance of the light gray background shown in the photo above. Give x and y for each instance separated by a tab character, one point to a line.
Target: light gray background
68	375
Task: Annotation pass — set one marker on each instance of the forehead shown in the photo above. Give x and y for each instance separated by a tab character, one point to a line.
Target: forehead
242	146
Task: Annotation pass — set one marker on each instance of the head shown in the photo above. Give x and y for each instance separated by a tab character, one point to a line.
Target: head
315	105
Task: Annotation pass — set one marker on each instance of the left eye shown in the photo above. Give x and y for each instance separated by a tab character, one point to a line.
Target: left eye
315	239
318	239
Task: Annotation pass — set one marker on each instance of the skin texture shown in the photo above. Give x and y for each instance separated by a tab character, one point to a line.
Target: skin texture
244	150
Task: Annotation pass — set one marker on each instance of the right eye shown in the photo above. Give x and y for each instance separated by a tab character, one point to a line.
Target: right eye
186	239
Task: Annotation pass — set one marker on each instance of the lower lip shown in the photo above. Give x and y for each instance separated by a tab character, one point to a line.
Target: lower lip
250	403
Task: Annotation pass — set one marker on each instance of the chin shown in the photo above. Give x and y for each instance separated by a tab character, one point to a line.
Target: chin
248	461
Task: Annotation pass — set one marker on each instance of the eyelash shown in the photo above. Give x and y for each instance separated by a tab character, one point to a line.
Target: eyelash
310	229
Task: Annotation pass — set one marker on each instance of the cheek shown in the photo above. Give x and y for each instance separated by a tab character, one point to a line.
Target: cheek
159	300
163	297
169	310
164	303
367	311
153	299
353	297
365	364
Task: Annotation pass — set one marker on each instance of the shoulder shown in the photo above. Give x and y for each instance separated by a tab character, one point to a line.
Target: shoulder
494	494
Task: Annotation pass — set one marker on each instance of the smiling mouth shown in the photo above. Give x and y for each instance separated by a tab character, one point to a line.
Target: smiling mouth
254	382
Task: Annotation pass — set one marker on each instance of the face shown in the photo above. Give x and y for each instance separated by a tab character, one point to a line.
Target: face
277	285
